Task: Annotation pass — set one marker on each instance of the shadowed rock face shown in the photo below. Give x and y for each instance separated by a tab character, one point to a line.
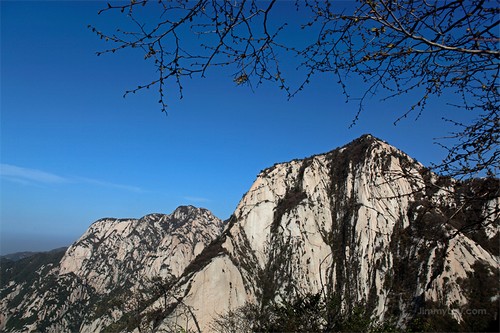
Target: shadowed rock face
364	223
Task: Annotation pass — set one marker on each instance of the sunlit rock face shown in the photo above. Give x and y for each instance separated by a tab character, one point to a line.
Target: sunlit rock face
364	223
112	259
154	245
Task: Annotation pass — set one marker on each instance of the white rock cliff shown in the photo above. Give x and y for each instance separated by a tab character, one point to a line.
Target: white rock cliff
364	224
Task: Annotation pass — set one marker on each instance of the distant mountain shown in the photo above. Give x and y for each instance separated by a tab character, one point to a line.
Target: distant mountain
361	235
17	255
21	255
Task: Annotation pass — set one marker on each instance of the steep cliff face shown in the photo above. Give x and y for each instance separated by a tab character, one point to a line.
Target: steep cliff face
112	260
155	245
365	224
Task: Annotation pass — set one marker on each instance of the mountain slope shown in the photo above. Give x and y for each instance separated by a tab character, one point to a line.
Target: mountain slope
361	227
112	260
365	224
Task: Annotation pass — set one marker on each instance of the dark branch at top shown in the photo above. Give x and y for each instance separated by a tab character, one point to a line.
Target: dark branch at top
397	47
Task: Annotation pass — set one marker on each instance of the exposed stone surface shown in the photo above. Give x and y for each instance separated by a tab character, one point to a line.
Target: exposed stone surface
111	259
364	222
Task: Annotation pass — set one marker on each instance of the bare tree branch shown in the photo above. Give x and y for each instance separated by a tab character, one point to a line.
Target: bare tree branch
425	48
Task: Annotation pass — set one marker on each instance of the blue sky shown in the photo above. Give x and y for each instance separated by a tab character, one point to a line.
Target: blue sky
73	150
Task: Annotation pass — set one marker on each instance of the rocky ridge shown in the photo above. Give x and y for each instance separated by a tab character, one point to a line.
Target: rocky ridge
365	225
110	261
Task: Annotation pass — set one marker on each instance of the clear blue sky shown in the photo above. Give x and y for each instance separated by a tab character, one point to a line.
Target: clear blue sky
73	150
